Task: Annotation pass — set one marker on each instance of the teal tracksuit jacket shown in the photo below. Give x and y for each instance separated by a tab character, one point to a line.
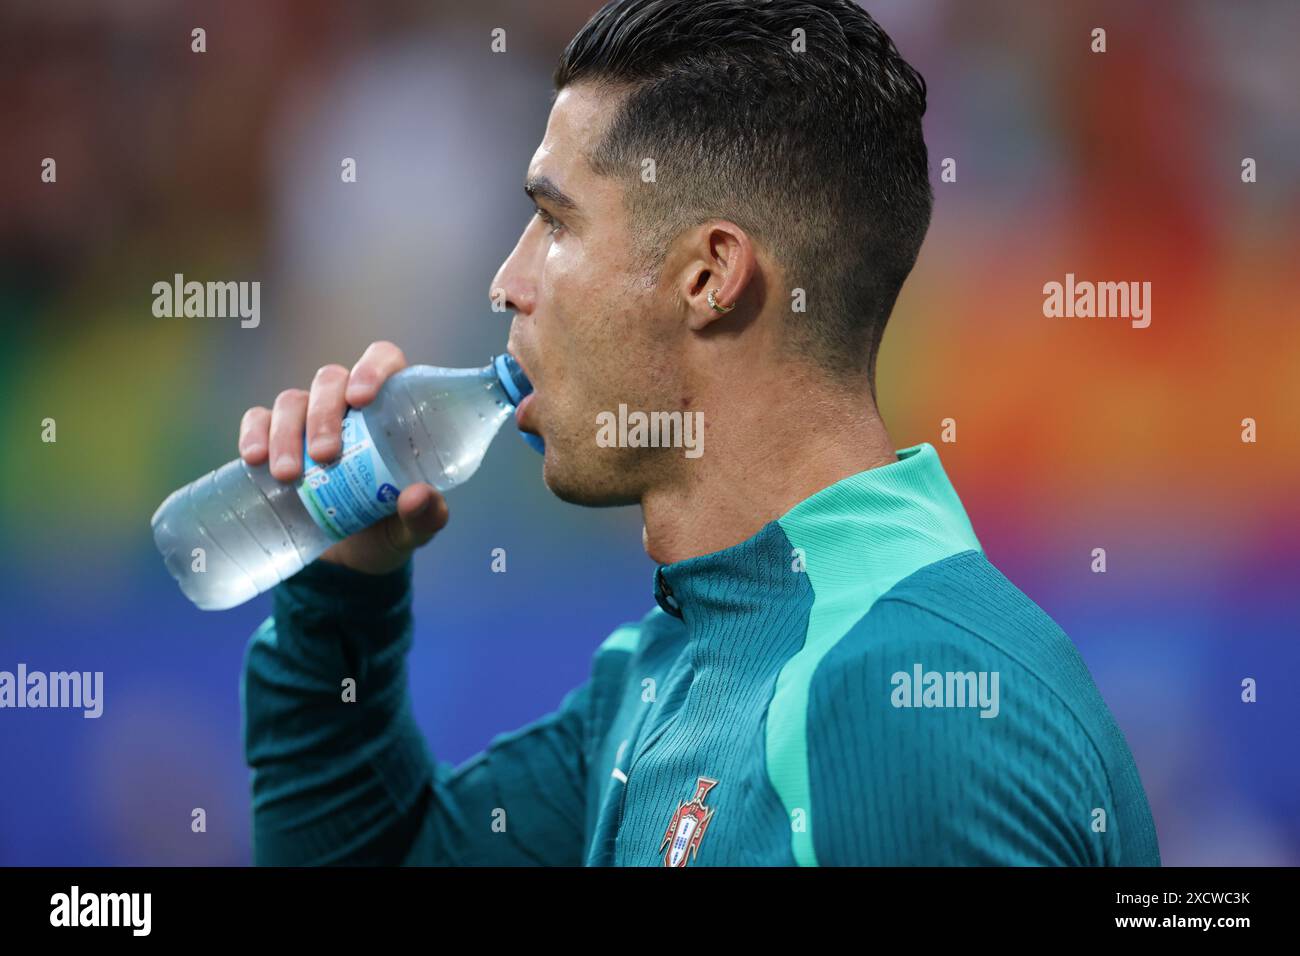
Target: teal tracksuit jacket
854	685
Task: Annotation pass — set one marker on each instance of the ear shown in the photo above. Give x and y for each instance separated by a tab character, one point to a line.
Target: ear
722	262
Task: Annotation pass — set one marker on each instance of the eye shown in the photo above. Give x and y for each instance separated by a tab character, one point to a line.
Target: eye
552	223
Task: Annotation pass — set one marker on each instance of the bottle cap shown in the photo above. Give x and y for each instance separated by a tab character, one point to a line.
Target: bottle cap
512	377
517	388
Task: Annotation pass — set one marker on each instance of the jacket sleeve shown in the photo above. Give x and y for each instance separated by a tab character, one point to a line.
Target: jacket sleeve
340	771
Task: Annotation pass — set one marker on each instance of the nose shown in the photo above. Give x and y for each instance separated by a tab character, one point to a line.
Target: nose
513	287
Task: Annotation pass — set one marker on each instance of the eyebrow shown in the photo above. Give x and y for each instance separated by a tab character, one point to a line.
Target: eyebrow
541	186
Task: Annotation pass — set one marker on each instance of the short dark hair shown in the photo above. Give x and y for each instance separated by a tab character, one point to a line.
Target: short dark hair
817	153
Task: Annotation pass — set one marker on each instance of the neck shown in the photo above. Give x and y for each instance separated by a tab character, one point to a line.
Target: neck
760	460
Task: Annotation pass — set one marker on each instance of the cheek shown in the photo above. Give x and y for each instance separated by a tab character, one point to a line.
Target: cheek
564	260
561	290
564	334
573	299
593	324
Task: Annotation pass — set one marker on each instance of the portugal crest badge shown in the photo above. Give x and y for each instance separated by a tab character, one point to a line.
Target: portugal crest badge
686	829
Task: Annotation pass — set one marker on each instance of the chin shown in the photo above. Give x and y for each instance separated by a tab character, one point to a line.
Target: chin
587	486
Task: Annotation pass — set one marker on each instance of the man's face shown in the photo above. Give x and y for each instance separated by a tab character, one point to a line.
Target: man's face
590	328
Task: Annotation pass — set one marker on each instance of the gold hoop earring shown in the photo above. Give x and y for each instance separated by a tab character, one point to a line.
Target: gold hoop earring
713	301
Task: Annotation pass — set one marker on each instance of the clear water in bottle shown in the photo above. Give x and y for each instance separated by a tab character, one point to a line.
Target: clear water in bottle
237	531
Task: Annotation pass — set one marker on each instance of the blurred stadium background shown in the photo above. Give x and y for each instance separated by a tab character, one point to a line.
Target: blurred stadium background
1073	434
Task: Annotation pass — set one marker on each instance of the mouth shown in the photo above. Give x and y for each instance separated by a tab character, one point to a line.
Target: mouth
521	411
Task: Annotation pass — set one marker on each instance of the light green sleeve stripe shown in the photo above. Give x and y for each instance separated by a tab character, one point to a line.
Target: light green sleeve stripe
859	537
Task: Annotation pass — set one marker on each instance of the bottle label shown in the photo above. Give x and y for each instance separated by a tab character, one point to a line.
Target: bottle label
352	492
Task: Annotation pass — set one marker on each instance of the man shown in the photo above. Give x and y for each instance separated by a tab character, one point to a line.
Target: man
833	672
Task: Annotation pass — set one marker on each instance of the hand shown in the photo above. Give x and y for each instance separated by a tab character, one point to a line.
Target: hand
276	435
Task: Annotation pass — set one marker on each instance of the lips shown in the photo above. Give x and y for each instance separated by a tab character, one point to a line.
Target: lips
521	410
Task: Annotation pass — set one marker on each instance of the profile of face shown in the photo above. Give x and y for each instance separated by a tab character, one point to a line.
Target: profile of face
590	327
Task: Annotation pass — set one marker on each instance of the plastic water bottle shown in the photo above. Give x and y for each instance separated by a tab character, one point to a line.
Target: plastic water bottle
237	531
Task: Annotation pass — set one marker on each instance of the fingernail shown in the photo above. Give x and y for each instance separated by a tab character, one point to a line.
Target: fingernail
284	463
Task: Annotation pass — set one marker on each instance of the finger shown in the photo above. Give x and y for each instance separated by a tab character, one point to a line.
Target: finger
421	513
325	409
254	432
288	419
377	363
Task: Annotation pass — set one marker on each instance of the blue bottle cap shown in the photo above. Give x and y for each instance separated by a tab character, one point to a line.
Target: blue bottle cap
517	388
512	377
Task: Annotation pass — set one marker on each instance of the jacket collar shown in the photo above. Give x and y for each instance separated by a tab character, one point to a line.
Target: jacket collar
842	547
